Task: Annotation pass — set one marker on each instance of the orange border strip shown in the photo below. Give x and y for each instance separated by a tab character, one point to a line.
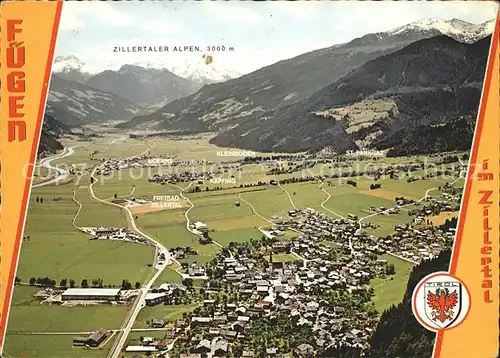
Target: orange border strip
27	184
472	163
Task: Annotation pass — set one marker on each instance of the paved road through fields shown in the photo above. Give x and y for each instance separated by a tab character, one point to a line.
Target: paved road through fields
140	302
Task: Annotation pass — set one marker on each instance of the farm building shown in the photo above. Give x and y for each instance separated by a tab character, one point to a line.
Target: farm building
200	226
105	230
91	294
153	299
140	349
157	323
92	340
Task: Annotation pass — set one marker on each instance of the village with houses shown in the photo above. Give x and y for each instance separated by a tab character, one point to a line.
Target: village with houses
299	285
308	272
324	292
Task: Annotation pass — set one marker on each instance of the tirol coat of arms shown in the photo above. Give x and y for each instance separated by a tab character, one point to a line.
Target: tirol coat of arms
443	302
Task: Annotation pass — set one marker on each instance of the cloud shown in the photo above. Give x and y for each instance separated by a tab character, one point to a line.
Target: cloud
161	27
78	15
296	10
237	12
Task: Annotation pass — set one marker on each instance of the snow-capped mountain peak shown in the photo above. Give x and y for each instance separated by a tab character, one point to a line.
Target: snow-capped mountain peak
460	30
195	70
204	73
68	63
72	68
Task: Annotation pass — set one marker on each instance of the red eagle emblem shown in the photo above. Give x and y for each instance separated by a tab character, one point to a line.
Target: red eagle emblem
442	302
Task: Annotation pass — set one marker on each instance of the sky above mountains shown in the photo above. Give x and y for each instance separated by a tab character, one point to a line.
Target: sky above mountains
261	33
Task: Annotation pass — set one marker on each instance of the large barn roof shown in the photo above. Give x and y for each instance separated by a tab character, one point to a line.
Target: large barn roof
92	291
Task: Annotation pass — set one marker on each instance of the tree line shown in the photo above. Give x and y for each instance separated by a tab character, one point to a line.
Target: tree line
85	283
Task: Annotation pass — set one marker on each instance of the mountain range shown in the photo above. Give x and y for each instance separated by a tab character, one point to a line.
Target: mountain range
76	104
429	82
273	109
198	71
364	93
458	29
71	68
195	70
148	87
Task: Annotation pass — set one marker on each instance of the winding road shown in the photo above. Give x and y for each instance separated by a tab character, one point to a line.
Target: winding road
61	173
140	302
181	193
289	197
326	200
188	221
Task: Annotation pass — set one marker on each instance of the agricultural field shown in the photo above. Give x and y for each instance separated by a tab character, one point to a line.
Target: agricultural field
46	318
283	258
131	182
36	330
271	202
54	248
168	276
169	228
440	219
95	214
45	346
28	316
189	147
391	290
169	313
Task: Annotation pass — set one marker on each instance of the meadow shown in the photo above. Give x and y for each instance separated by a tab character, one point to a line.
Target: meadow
46	331
169	228
28	316
95	214
271	202
49	346
47	318
390	290
283	258
124	182
168	276
168	313
57	250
